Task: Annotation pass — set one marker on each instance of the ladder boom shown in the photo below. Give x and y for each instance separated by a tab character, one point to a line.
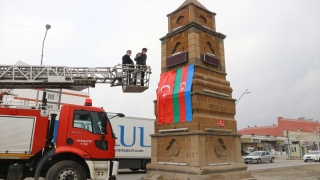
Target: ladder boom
56	77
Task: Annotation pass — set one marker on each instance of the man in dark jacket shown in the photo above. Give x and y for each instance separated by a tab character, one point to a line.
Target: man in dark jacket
126	58
141	59
127	62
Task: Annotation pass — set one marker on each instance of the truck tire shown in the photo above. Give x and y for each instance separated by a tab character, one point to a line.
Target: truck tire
66	170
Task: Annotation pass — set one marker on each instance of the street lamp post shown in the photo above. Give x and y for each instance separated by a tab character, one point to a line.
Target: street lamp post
48	26
245	92
288	143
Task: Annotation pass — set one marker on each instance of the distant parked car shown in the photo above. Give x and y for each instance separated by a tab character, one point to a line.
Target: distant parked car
259	157
312	155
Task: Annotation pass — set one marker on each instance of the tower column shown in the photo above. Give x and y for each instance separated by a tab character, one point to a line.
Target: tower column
195	133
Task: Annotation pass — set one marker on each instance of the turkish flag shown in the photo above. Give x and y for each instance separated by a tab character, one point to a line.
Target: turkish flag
164	97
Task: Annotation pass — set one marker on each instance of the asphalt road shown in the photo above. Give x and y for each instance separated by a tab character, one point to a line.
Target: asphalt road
129	175
278	164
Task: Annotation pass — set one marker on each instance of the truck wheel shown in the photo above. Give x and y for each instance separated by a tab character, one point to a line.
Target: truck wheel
66	170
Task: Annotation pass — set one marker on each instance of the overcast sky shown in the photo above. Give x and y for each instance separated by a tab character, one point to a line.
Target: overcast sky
272	48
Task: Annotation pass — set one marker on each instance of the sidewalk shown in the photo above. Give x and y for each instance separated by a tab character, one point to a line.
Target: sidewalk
285	157
309	172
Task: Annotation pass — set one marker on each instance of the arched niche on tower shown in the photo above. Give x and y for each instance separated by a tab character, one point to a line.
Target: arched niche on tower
177	43
179	18
204	18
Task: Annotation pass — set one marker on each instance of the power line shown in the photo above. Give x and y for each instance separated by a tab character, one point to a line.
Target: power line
22	25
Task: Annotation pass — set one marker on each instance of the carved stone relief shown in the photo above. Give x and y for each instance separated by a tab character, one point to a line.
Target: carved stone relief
173	148
178	48
208	48
220	149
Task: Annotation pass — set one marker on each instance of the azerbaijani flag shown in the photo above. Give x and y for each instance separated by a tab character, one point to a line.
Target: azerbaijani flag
182	104
164	97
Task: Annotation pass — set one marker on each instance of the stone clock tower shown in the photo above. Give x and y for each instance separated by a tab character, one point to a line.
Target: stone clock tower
208	146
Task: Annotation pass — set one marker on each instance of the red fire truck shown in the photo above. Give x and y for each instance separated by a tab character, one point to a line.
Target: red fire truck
79	145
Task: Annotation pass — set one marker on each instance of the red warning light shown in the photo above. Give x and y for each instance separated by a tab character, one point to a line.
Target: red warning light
88	102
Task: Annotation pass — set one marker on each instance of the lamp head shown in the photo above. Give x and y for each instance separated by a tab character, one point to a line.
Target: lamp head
48	26
120	115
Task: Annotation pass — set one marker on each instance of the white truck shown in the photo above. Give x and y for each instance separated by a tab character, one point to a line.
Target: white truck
133	143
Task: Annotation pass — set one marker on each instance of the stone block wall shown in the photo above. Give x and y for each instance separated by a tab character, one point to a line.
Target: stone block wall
196	42
196	149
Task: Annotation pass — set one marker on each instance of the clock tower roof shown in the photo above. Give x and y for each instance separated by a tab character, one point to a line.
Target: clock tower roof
195	2
191	2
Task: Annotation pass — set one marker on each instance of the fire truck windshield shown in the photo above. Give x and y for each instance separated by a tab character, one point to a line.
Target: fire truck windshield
89	120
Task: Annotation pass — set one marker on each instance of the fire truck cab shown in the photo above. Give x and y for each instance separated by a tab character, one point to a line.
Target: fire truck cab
79	144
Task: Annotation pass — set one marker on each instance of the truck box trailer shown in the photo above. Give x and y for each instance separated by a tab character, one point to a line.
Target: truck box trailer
133	143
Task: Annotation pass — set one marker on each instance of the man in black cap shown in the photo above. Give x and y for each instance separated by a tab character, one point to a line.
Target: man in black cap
141	59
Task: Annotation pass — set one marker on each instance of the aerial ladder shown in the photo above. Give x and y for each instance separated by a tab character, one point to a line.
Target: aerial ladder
73	78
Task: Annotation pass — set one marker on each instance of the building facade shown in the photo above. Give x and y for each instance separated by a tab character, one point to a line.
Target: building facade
294	137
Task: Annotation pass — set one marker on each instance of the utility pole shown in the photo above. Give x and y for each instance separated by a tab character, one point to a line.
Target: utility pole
48	26
288	143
